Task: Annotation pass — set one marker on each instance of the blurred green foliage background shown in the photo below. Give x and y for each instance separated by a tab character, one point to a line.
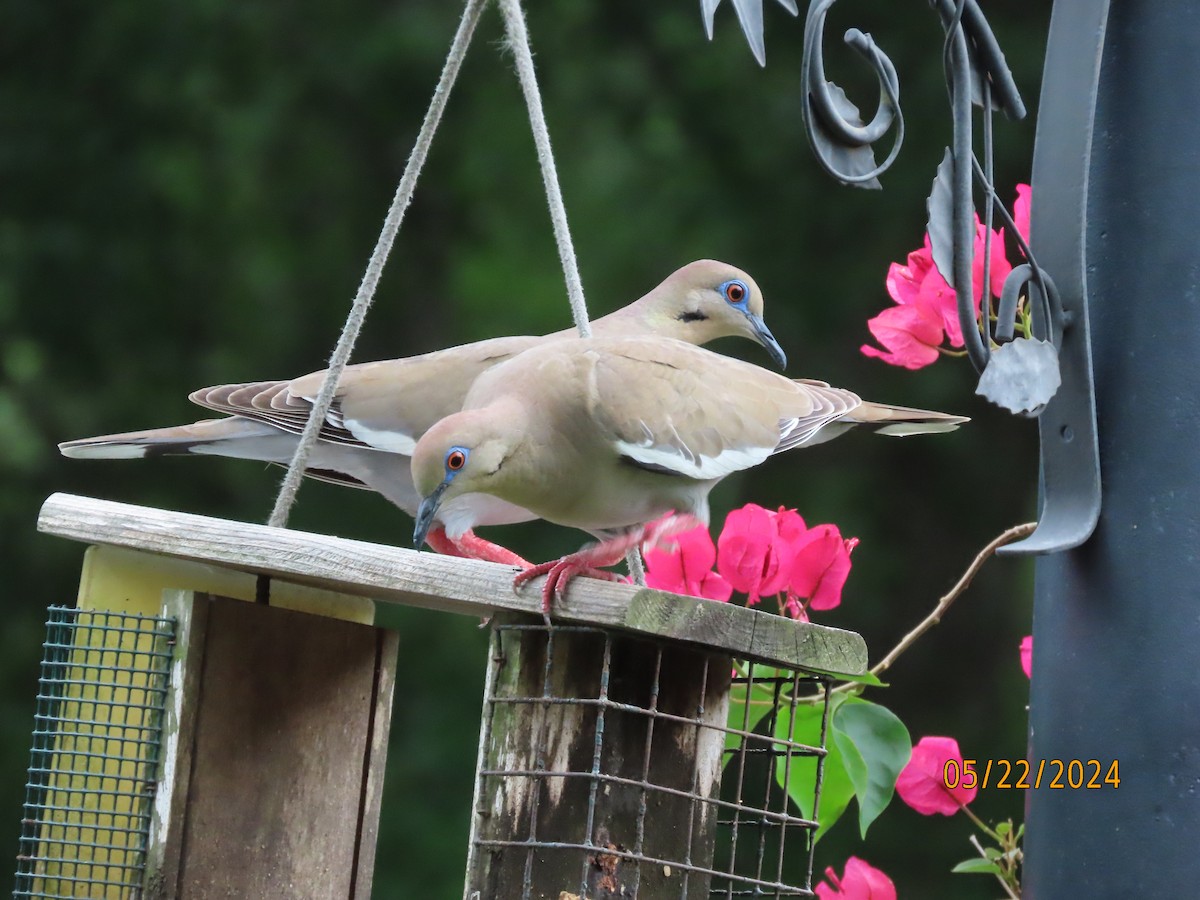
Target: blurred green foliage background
189	193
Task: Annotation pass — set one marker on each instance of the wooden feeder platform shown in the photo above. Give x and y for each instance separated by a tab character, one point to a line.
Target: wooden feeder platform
471	587
278	714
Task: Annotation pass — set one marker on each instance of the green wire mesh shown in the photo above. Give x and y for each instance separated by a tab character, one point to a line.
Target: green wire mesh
92	769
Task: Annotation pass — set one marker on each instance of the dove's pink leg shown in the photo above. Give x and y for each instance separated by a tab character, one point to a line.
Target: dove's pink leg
475	547
591	560
440	543
471	546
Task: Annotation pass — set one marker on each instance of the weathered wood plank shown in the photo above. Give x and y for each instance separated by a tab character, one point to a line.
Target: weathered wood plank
278	803
132	581
777	638
387	649
164	849
446	583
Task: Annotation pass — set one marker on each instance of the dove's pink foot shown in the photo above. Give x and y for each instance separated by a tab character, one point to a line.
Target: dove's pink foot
590	562
472	546
560	572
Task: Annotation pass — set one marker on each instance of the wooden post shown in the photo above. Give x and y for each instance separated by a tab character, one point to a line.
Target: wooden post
635	776
274	753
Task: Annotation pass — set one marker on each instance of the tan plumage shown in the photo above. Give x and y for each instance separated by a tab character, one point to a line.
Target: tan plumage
609	434
382	408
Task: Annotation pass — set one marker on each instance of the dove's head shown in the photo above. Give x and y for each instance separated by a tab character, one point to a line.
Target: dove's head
706	300
462	454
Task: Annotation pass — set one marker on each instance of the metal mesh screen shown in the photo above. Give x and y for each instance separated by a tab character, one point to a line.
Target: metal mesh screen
609	767
92	770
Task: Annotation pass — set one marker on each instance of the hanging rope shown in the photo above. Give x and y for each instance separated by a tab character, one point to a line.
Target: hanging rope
370	281
518	42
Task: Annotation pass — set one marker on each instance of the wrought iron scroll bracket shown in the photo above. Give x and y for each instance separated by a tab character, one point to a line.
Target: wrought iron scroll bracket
1048	374
1070	457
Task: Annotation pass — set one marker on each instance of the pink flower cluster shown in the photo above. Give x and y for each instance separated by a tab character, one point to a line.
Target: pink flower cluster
924	783
860	881
925	317
759	553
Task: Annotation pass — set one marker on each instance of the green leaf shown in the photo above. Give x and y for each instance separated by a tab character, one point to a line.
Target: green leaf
977	865
853	762
874	747
799	777
1003	828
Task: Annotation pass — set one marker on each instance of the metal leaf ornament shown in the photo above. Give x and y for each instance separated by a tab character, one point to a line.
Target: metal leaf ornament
854	163
1021	376
940	225
750	17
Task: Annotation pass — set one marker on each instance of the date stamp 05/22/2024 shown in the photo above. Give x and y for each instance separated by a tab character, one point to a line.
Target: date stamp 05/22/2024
1020	774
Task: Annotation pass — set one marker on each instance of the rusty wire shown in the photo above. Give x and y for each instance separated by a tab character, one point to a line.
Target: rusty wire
763	847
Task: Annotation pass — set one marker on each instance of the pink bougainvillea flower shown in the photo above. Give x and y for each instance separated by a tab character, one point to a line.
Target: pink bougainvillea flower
923	782
904	281
753	549
860	881
761	553
910	337
789	528
1027	655
820	566
1021	209
686	568
927	307
939	299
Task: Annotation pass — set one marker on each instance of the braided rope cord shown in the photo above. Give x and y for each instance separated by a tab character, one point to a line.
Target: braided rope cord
370	281
518	42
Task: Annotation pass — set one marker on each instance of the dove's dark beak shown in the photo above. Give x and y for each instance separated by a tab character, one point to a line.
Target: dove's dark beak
426	513
764	336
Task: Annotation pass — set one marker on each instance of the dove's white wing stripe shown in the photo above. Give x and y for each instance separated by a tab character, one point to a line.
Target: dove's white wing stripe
392	441
685	462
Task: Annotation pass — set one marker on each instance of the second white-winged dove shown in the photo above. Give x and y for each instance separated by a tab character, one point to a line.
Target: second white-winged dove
610	435
381	409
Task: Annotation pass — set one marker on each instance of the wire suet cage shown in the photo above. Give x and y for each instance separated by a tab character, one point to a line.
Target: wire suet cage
609	780
93	767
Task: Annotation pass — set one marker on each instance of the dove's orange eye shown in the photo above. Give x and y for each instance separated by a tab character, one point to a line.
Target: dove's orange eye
455	460
735	292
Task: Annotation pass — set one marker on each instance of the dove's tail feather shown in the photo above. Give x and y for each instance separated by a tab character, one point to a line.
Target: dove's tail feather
234	436
903	420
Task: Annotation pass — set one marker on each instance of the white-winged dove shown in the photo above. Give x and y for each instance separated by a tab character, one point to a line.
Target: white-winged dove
381	409
610	435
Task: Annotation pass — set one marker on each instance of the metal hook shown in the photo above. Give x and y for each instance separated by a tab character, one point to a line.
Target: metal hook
1070	465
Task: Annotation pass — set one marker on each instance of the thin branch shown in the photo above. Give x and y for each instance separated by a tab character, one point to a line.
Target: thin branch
1007	537
1013	534
1004	884
979	823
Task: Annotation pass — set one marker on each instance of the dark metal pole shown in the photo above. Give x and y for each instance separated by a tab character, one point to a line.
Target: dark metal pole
1117	620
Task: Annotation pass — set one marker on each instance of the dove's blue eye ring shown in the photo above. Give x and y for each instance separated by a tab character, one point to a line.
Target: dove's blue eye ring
456	458
735	292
